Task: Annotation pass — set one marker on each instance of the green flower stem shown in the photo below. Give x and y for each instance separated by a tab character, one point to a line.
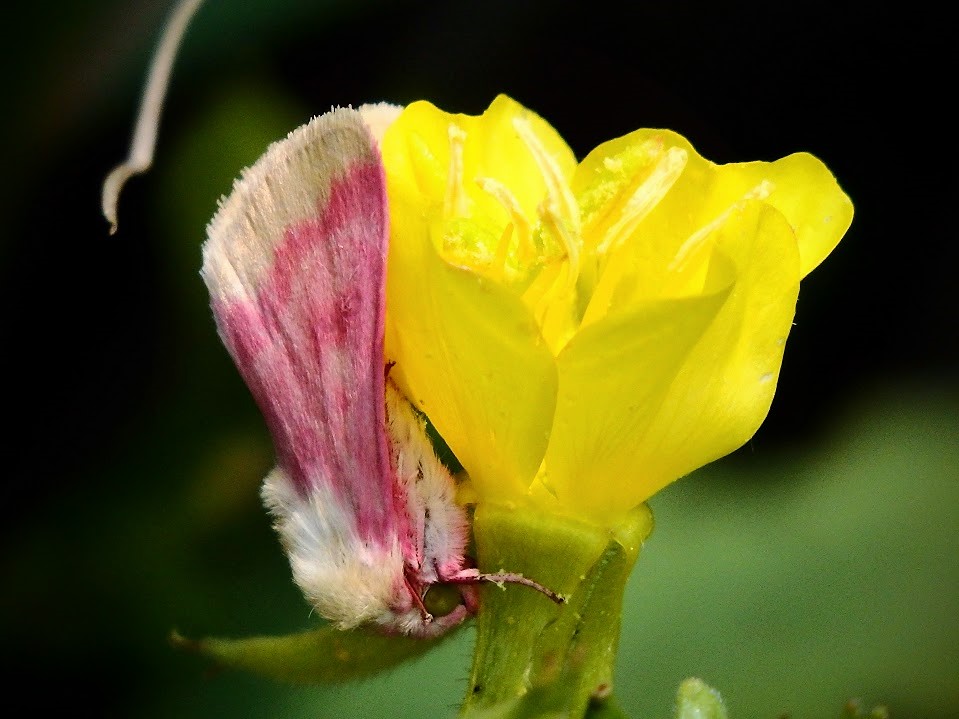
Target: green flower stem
534	657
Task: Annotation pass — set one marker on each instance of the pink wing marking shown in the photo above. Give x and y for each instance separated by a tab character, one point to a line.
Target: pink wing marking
308	340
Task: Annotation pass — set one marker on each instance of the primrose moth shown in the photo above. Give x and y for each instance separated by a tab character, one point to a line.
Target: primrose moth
295	262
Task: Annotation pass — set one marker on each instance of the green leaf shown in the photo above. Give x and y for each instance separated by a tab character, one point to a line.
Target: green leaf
320	656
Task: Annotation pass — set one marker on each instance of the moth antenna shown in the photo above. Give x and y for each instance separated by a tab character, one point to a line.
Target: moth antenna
143	144
514	578
472	576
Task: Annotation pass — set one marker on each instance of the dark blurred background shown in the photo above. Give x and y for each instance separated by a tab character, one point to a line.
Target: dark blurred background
817	564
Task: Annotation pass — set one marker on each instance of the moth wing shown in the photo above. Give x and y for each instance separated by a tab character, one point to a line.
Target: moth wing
295	266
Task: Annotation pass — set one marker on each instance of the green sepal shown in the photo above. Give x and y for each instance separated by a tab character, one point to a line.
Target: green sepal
320	656
534	658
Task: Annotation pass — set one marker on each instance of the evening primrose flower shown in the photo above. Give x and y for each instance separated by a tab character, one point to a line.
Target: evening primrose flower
583	334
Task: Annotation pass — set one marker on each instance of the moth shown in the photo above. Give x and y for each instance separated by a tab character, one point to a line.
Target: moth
295	263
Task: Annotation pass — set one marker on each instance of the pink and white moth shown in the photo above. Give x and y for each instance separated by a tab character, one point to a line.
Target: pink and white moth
295	263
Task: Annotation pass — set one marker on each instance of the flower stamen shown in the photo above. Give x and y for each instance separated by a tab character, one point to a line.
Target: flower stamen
697	239
455	202
520	225
551	219
559	211
502	250
649	193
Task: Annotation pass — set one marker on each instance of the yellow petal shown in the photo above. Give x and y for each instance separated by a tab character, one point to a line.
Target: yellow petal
650	395
495	149
799	186
468	350
613	375
416	150
806	192
469	354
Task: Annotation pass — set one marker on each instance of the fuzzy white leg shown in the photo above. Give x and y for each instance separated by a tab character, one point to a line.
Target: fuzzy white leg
437	521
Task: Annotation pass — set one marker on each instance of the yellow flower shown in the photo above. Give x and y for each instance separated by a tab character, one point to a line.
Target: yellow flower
582	334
